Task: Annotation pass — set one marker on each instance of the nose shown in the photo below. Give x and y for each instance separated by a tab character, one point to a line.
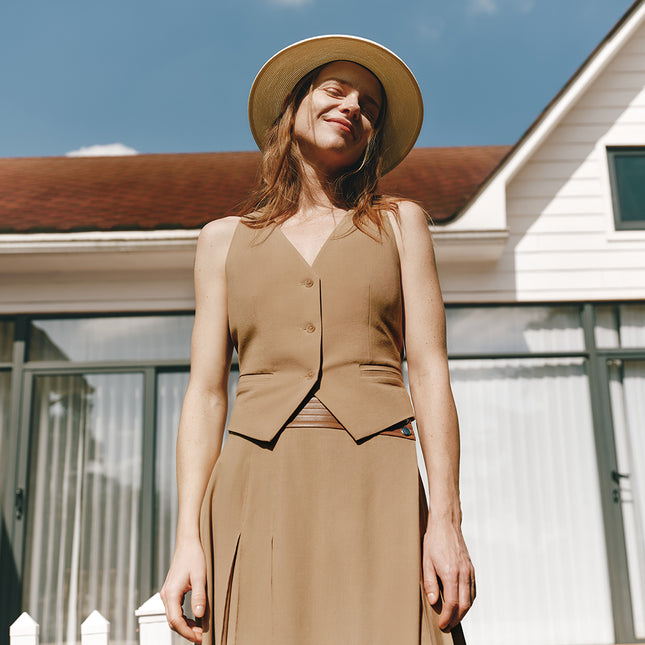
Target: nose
350	106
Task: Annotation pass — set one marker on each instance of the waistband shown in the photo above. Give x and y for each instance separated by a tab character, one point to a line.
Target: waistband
315	415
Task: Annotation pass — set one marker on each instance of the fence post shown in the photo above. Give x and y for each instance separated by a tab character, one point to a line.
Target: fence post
95	630
24	631
153	626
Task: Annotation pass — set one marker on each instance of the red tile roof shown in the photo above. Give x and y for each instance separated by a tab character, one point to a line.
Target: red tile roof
144	192
443	179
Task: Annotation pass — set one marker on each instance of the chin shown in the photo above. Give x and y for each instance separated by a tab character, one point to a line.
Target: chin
334	155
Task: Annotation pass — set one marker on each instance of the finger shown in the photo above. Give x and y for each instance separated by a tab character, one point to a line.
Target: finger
473	588
465	596
450	609
174	615
180	625
198	596
197	631
430	583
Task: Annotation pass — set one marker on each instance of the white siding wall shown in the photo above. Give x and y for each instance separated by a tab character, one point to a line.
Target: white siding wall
562	243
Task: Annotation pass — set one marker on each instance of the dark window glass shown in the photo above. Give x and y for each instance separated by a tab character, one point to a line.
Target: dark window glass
627	175
5	399
6	341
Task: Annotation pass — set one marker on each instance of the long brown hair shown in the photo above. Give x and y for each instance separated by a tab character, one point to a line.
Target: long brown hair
277	196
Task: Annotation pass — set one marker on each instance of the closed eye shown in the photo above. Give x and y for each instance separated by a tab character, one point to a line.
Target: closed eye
369	107
333	91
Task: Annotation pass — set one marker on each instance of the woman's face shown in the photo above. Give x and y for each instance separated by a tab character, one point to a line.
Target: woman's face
337	116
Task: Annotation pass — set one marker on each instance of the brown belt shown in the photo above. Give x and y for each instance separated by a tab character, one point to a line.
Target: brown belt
315	415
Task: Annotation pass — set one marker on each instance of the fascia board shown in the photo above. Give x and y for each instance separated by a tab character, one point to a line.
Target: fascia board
468	247
97	241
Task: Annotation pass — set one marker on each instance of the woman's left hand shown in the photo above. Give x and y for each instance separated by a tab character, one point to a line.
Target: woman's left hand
448	573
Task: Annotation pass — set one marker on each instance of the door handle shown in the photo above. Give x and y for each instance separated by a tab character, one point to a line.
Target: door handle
19	503
616	476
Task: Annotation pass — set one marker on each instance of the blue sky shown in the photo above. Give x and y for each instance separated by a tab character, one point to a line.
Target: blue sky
174	75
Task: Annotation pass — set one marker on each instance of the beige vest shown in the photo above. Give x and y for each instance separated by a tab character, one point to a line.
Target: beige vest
334	328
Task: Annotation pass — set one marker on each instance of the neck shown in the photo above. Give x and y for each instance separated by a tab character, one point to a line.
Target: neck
317	188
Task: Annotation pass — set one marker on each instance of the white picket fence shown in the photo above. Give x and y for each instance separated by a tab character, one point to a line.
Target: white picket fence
95	630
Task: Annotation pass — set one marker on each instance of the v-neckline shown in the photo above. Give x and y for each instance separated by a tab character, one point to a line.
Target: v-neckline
324	244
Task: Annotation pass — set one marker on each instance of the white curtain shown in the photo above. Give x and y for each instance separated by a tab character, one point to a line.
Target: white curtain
171	388
620	326
632	325
84	500
530	498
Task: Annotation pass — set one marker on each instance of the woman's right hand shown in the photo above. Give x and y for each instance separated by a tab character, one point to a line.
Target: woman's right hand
187	573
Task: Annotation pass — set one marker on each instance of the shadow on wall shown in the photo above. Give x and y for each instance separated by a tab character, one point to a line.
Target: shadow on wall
540	183
537	197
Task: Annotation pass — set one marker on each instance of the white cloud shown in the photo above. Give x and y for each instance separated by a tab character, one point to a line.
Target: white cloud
291	3
483	6
431	29
495	6
103	150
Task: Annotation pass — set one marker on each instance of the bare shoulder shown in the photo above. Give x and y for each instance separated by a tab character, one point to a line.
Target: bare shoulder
412	217
215	240
411	228
419	278
219	232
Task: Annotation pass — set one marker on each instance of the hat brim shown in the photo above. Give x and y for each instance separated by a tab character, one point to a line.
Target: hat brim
280	74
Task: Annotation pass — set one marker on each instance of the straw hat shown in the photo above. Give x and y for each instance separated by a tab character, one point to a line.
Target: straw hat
281	72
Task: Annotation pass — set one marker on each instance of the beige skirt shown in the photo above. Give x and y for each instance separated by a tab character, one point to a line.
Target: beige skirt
315	539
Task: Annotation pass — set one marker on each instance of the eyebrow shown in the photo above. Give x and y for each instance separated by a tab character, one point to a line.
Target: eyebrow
368	97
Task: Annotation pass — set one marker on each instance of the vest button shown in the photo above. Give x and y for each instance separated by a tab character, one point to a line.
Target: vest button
309	282
310	328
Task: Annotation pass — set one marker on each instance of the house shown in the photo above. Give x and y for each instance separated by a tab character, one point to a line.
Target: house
541	254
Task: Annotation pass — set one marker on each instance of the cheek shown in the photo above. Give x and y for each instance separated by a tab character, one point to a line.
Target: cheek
301	122
367	132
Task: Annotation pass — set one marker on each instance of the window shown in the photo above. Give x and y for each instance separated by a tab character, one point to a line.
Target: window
532	510
98	475
626	173
104	399
89	410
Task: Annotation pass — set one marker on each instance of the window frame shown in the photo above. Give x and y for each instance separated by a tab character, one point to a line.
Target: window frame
612	152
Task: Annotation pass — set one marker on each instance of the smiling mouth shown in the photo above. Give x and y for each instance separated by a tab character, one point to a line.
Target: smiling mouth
344	126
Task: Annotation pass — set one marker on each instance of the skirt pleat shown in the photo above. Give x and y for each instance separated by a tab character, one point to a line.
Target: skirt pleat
315	539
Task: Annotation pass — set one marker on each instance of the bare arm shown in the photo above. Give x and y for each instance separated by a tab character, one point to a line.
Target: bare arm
201	426
445	556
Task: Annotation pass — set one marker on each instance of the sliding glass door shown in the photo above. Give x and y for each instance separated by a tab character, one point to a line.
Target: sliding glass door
533	517
101	399
84	491
532	512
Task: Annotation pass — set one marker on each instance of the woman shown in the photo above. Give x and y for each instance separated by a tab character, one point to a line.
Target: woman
311	527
